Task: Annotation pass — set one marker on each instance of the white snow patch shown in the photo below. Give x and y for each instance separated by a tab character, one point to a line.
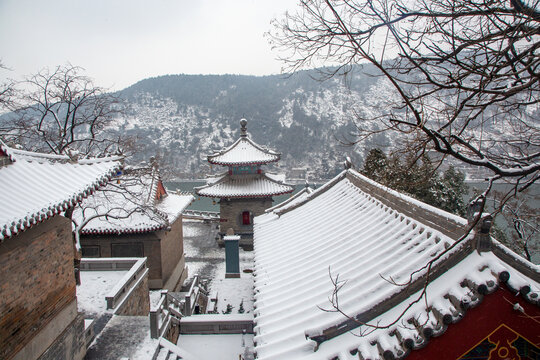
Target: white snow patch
234	291
95	285
229	346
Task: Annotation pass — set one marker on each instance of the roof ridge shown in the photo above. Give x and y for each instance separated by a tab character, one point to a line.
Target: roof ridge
13	153
315	193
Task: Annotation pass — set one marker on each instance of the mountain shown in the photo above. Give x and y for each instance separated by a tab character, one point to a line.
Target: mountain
182	118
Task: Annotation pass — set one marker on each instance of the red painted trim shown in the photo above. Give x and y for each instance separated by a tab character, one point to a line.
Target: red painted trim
495	310
242	163
246	196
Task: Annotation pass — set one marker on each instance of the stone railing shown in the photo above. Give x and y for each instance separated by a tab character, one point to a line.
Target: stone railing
136	273
104	264
202	215
217	324
172	307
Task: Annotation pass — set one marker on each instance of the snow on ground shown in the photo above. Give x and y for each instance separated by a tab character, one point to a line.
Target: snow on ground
206	258
228	346
191	231
155	296
95	285
233	291
146	349
124	337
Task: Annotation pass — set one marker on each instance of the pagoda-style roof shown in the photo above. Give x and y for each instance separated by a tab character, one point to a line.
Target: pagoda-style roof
244	186
37	186
243	151
371	245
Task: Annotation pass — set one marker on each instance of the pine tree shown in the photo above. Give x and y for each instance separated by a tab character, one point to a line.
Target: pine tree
418	178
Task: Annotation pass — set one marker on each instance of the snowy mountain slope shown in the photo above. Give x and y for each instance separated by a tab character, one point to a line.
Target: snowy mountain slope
182	118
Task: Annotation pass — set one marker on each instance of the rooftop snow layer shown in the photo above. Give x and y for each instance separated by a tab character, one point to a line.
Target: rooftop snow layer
257	185
37	186
243	151
340	233
129	205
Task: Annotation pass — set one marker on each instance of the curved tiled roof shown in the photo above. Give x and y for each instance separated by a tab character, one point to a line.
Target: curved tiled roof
243	151
240	186
37	186
128	205
292	201
341	230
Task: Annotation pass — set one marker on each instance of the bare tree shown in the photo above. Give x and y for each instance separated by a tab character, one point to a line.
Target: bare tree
125	199
463	77
521	218
459	68
63	110
7	92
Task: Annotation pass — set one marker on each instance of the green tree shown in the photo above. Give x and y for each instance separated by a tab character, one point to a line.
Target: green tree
419	179
376	165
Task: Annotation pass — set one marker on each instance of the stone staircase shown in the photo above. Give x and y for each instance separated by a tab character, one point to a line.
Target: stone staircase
168	351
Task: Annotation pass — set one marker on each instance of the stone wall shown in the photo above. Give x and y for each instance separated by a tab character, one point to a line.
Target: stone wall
151	250
172	249
231	213
70	345
37	283
137	302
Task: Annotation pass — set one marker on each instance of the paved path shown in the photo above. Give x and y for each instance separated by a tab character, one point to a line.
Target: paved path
120	338
202	251
129	336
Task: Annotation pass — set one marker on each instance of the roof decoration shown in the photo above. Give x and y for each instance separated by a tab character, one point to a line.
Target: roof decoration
254	185
135	202
243	151
36	186
339	229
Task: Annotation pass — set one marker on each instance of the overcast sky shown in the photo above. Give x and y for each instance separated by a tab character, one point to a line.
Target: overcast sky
119	42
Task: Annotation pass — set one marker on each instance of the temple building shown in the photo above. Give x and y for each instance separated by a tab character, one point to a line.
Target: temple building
355	270
38	300
135	216
245	190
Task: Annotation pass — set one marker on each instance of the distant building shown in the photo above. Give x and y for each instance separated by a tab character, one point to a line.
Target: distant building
374	252
298	174
134	216
245	190
38	304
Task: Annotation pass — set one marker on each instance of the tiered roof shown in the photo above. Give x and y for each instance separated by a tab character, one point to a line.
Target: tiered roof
341	233
243	151
135	202
37	186
244	186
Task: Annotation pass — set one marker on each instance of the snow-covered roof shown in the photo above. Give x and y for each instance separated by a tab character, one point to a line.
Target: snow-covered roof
343	233
293	200
37	186
130	204
243	151
239	186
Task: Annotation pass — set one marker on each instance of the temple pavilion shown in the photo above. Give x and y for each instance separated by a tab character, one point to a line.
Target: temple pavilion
245	190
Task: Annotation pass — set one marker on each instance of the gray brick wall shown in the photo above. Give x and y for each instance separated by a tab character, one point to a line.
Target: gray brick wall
70	345
37	281
231	213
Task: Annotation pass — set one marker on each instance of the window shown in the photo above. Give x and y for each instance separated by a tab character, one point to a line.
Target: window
90	251
127	250
246	218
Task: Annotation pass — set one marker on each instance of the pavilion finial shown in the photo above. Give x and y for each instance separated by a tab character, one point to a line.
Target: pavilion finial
243	127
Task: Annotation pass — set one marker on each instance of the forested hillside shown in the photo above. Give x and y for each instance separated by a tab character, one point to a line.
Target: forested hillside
182	118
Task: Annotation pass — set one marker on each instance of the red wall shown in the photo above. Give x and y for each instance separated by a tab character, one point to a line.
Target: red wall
493	319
